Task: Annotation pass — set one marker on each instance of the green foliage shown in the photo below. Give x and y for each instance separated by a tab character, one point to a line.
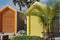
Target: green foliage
45	14
27	38
20	3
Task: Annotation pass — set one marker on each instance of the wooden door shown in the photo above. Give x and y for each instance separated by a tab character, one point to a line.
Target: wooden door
8	21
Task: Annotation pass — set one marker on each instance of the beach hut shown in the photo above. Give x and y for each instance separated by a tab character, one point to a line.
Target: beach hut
8	20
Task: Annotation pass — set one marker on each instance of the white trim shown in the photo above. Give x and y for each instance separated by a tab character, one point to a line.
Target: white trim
16	21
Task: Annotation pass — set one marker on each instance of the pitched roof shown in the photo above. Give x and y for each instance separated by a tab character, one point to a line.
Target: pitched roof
33	7
7	7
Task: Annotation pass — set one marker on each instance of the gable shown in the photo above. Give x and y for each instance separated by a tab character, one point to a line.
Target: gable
7	9
36	7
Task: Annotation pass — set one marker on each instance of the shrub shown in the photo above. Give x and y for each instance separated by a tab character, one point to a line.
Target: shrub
27	38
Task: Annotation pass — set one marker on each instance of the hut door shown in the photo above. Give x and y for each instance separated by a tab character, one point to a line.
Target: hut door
8	21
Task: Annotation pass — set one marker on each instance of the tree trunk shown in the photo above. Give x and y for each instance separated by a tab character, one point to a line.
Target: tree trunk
47	33
20	7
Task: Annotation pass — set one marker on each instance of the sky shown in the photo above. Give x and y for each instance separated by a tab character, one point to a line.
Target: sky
9	2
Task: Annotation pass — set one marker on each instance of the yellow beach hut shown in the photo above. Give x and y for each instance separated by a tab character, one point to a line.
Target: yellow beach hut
34	27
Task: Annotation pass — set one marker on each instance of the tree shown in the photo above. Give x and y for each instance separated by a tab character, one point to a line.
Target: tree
46	14
20	21
24	2
20	2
